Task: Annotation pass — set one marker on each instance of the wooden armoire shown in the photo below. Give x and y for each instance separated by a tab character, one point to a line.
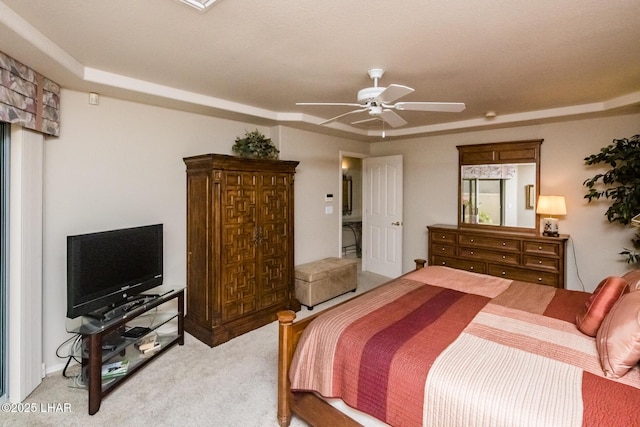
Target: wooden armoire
240	265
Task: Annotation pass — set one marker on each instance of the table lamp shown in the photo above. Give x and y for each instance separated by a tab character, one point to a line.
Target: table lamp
551	205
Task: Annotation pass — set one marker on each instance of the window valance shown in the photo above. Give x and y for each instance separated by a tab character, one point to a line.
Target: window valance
28	98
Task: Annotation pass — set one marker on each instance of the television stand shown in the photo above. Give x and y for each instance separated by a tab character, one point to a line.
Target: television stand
154	314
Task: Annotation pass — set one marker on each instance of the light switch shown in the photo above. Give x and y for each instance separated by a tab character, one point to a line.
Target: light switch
328	210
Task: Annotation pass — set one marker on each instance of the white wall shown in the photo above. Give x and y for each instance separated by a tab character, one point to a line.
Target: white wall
430	188
319	174
119	164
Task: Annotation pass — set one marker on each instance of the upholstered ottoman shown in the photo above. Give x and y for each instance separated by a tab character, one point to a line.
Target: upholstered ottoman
322	280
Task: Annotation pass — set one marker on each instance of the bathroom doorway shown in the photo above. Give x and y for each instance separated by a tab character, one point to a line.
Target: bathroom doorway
351	206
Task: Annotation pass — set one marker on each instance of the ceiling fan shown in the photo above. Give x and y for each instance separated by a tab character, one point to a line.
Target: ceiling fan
379	102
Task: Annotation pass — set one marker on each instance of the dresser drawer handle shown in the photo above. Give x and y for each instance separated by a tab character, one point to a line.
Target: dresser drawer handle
540	262
504	243
504	273
471	240
504	257
471	268
443	249
539	279
444	263
444	237
539	248
471	252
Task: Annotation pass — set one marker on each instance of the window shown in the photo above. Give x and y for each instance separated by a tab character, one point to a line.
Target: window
482	201
4	254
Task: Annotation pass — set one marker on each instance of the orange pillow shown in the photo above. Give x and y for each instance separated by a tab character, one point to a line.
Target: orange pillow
633	277
618	339
599	304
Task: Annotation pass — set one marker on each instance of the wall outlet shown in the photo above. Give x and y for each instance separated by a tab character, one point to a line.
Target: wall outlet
328	210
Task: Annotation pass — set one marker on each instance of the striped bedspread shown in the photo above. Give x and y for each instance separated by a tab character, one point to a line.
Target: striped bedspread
443	347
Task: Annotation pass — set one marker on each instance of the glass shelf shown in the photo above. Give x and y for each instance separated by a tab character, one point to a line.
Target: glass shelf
125	351
103	342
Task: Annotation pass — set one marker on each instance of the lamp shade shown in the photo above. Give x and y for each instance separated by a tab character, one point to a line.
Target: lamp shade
551	205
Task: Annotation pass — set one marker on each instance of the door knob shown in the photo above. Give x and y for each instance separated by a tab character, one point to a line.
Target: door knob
398	223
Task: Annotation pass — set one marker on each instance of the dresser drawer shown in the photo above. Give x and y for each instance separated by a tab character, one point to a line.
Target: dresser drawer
447	237
488	242
460	264
541	248
551	264
512	258
539	277
443	250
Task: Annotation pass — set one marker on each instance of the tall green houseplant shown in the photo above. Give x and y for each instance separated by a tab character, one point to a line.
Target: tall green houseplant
620	184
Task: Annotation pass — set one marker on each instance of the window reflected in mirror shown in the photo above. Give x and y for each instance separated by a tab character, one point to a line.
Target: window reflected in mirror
498	195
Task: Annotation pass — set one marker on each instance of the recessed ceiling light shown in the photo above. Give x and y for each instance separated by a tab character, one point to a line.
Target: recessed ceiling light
199	4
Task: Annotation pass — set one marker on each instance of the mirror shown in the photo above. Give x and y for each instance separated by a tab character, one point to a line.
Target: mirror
499	185
347	195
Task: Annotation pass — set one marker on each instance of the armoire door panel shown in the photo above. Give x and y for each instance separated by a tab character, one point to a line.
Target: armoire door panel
276	268
239	198
238	309
239	242
239	284
274	297
274	201
274	272
275	240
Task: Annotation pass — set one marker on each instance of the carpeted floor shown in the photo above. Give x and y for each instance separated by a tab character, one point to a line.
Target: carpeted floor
230	385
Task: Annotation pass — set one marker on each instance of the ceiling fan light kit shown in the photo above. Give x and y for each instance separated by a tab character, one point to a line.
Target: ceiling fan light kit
200	5
379	102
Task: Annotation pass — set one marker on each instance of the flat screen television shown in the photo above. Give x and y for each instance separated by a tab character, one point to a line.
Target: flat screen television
110	268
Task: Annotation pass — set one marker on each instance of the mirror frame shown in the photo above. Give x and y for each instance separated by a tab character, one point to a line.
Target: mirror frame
499	153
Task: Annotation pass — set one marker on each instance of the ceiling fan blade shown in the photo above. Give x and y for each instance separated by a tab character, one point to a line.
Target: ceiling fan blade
392	118
393	92
329	103
342	115
447	107
375	119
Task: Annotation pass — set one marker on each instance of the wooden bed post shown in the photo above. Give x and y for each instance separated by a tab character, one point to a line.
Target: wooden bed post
420	263
285	353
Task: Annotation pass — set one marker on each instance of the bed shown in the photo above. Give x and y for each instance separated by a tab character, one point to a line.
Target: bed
445	347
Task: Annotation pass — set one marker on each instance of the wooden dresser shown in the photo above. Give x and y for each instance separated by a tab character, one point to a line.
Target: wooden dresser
240	265
516	256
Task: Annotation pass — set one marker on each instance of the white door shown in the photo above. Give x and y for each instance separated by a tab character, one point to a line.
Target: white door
382	218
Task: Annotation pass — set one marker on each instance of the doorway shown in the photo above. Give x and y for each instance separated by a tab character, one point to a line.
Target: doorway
350	240
372	235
